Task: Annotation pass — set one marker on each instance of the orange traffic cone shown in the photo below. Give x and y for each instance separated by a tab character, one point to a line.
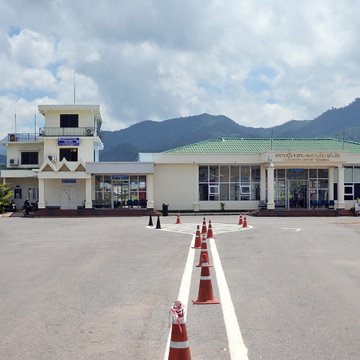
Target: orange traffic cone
179	344
210	234
245	222
178	219
204	250
197	244
205	295
203	228
240	220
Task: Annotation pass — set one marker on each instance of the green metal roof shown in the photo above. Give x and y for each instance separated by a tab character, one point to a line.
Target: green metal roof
235	145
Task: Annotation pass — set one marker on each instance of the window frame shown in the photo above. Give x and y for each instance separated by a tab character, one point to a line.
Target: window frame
69	120
70	150
23	153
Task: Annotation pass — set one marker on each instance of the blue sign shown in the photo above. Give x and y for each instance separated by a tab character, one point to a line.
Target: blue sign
68	181
68	141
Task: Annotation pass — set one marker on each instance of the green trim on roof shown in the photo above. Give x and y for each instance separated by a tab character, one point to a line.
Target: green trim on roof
235	145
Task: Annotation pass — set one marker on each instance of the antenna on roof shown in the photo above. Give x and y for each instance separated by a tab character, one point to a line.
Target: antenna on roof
74	88
35	125
15	122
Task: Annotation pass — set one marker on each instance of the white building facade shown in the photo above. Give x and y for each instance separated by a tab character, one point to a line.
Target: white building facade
59	167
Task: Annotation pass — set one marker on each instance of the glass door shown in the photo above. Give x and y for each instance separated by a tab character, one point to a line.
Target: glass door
298	194
120	190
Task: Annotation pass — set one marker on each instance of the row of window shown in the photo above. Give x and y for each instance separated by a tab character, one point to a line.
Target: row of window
32	157
242	182
229	182
120	189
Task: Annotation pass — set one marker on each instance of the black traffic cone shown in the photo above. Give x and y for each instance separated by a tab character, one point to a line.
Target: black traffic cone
150	221
158	226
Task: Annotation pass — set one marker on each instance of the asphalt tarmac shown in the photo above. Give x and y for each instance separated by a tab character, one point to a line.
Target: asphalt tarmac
101	288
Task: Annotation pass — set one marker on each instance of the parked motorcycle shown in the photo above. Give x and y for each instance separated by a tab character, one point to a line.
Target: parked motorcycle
26	208
34	205
11	207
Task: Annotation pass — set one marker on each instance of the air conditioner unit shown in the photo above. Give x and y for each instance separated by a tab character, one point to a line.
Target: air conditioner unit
13	162
52	158
89	131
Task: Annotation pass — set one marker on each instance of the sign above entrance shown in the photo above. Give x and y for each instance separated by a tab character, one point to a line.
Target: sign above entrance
68	141
308	157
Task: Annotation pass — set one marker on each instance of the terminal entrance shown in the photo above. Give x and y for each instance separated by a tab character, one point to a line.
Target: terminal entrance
297	194
121	191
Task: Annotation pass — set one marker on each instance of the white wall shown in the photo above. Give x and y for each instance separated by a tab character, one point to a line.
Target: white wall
14	152
229	205
85	150
174	185
53	188
86	118
24	184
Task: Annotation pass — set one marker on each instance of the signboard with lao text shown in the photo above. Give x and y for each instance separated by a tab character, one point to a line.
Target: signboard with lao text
68	141
308	157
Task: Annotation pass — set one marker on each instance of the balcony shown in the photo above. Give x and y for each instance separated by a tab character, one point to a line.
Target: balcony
23	137
67	131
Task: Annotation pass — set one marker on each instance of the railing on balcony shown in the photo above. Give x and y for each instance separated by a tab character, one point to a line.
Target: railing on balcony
23	137
67	131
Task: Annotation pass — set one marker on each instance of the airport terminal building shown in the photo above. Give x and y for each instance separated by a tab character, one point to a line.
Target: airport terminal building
59	166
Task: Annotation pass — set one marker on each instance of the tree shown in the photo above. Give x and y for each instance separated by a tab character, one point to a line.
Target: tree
6	194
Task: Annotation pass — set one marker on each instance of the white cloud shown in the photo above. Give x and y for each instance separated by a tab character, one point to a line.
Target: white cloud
31	49
155	60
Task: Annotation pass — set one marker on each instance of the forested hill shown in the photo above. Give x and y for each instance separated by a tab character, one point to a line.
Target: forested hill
153	136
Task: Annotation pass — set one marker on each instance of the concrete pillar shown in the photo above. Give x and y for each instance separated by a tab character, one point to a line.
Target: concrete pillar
42	202
150	191
262	183
331	183
341	201
270	187
196	205
88	202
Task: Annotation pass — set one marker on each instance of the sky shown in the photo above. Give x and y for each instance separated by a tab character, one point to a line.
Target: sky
261	63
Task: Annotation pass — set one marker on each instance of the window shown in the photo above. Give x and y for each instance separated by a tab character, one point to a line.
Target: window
214	189
348	192
17	193
245	173
348	174
203	174
70	154
69	120
229	183
30	158
117	190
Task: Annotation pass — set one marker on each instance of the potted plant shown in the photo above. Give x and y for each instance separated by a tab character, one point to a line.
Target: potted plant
357	206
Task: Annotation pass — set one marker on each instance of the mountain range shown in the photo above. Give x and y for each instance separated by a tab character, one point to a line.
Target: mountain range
157	136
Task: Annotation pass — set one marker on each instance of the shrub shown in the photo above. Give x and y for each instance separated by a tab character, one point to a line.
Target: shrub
5	196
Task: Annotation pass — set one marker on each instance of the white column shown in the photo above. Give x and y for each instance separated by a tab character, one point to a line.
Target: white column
150	191
41	203
262	183
88	202
341	201
196	205
270	187
331	183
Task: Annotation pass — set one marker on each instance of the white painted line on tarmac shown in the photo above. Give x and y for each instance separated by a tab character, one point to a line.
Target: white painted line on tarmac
184	288
296	229
190	229
238	350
